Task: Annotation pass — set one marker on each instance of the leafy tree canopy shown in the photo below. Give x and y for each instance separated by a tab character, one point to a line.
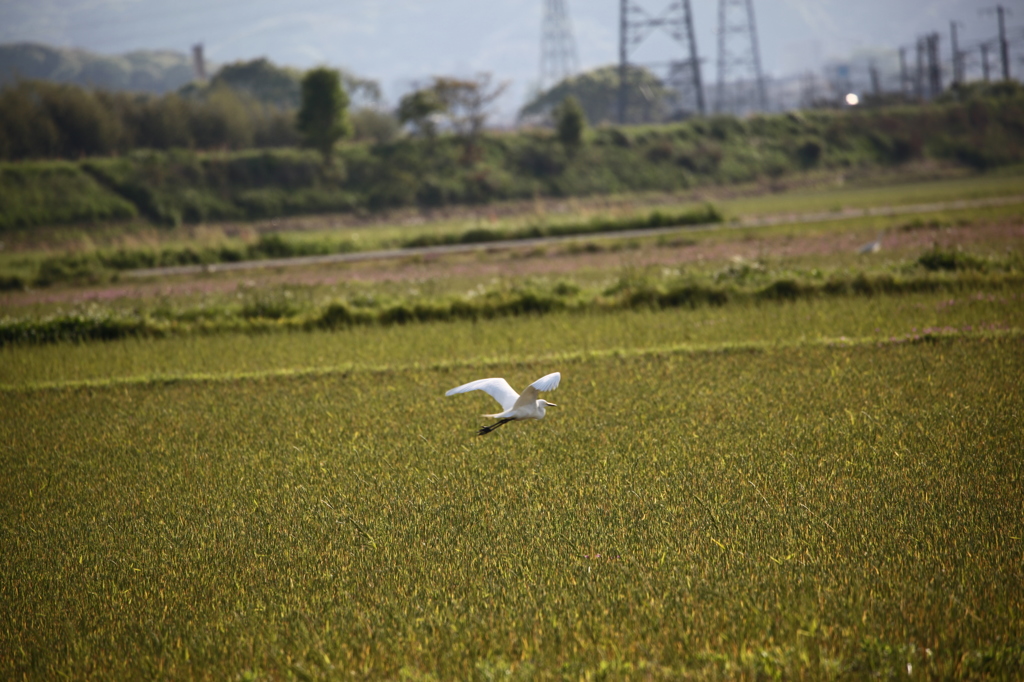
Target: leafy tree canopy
279	86
570	122
463	102
597	92
323	117
263	81
419	108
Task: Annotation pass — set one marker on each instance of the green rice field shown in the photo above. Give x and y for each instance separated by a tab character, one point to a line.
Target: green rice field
822	487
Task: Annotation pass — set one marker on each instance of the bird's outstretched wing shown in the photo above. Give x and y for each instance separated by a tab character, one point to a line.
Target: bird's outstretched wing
545	383
496	388
548	382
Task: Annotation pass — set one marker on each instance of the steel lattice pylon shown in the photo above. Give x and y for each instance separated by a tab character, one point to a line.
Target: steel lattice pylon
558	59
683	75
740	81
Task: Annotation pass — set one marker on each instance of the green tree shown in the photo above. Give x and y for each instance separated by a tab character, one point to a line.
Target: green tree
462	102
373	124
323	116
466	102
263	81
570	122
419	108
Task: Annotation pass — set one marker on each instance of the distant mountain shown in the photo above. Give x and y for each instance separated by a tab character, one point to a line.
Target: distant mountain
154	71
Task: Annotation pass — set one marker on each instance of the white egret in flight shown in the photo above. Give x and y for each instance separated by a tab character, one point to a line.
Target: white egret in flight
514	406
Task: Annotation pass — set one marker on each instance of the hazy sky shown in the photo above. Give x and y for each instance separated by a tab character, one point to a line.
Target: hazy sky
399	41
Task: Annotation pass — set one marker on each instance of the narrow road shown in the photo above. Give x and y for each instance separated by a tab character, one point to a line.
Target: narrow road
765	221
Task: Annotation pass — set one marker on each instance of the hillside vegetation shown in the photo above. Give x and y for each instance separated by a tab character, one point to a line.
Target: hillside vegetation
154	71
176	186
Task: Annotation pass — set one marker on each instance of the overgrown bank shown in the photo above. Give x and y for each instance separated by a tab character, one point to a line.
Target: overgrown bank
172	187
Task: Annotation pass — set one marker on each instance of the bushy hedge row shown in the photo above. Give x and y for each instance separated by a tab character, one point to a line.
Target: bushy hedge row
708	214
268	315
41	119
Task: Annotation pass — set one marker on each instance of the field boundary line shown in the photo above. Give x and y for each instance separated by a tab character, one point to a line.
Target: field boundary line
840	342
498	245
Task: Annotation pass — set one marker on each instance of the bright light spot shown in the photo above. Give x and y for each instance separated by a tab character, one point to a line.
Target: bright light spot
852	99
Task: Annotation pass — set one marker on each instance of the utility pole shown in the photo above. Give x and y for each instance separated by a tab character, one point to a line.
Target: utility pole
636	24
558	58
903	71
934	67
919	81
984	61
1004	51
623	59
1004	48
958	75
742	25
199	62
808	90
876	89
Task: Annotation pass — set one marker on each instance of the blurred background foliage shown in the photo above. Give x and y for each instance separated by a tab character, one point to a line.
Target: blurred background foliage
229	148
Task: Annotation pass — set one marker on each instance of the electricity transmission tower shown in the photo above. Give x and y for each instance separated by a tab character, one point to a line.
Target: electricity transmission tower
558	59
683	75
739	59
198	62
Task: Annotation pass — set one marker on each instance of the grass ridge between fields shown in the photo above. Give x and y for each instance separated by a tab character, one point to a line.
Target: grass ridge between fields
945	270
939	336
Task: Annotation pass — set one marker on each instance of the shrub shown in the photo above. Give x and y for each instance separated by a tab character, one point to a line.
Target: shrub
336	315
12	283
783	289
692	296
808	153
71	268
269	306
939	258
570	122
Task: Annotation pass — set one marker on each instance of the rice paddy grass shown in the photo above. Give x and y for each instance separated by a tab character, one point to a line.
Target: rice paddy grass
822	511
818	488
503	341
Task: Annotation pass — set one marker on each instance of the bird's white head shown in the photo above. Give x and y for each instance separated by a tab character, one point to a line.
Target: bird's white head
541	404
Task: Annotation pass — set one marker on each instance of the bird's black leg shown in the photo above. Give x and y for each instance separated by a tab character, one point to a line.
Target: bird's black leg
487	429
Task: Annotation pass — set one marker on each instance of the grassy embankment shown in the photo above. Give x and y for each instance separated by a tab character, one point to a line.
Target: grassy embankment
174	187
